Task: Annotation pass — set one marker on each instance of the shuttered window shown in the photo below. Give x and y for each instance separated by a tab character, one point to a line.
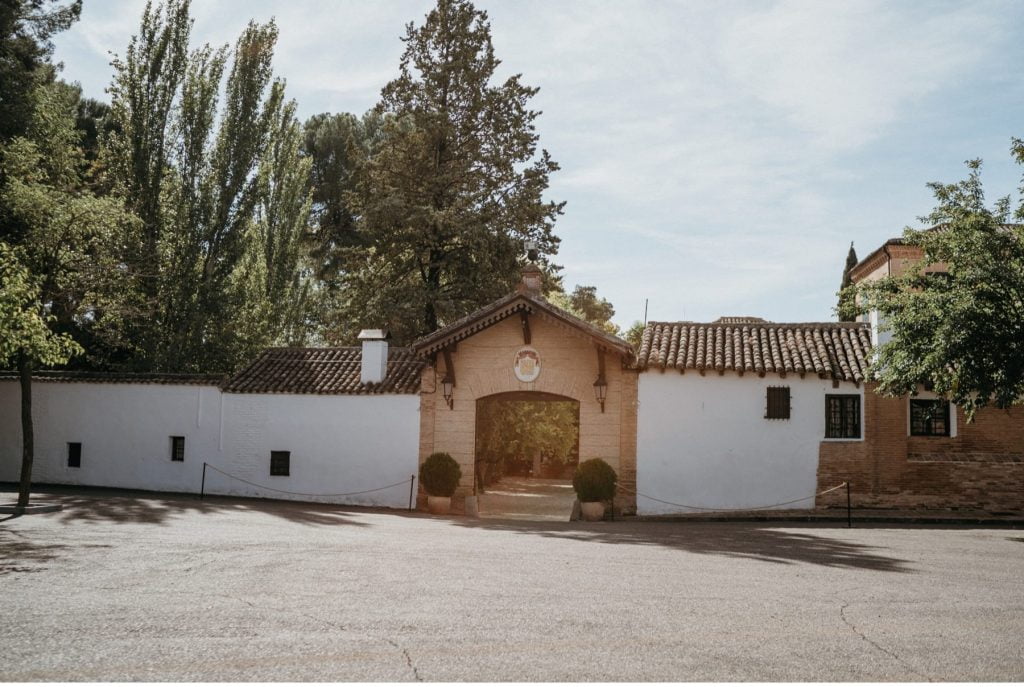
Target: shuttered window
280	463
778	403
842	416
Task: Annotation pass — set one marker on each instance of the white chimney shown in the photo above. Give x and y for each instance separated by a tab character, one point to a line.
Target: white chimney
375	356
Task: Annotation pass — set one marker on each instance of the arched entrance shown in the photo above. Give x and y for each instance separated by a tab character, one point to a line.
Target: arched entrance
526	450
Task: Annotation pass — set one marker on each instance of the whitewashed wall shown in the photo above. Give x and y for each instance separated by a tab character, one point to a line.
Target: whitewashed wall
704	441
338	444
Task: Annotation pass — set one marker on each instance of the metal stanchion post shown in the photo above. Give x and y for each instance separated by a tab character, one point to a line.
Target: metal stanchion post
412	480
202	487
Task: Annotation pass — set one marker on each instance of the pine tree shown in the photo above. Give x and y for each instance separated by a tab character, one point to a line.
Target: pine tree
455	187
847	307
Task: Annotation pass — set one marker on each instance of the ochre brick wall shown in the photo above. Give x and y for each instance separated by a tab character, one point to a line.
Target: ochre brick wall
982	467
569	366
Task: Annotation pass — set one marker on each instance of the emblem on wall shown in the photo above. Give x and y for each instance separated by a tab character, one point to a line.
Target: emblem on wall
526	364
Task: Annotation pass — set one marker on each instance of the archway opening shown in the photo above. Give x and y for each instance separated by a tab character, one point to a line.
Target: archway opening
527	448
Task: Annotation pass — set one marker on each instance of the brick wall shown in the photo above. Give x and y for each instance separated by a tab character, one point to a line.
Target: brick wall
982	467
569	366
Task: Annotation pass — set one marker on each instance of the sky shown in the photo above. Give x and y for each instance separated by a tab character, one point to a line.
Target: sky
717	158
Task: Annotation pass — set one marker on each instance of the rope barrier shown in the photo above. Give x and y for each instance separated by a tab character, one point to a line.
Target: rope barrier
299	493
774	505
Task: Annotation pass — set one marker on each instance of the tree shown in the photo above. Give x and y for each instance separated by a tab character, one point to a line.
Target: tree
635	334
54	286
585	304
220	190
847	298
454	190
26	340
960	332
335	145
26	27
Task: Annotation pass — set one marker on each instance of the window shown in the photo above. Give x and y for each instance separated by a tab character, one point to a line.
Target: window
280	462
929	418
778	403
74	454
842	416
178	449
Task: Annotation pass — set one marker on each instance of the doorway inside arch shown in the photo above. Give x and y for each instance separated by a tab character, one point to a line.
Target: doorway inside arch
527	448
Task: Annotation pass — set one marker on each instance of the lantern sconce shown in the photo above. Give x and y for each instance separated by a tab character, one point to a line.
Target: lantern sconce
447	385
601	391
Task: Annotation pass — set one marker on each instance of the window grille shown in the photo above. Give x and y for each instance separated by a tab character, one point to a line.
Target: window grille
778	403
842	416
929	418
178	449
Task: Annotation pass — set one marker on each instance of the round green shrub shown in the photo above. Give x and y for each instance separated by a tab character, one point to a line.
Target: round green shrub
440	474
594	481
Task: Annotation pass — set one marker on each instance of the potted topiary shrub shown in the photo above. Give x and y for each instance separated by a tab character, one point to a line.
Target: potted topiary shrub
594	483
440	476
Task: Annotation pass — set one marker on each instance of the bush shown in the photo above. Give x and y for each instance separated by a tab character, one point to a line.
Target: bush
440	474
594	481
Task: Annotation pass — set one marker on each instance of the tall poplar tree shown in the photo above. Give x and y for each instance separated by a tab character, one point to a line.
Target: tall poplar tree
204	148
456	186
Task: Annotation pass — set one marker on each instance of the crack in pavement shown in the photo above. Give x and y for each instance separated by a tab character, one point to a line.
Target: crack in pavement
408	659
887	652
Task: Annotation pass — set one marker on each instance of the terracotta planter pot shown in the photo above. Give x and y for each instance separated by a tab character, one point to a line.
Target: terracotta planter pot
592	511
439	505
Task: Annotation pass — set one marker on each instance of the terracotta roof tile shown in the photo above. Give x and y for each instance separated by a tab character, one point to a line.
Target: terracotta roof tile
324	371
67	376
838	350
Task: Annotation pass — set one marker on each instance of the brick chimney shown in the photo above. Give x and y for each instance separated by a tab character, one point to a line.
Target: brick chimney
374	363
532	281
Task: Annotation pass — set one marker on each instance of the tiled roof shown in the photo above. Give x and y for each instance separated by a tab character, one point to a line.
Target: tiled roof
838	350
118	377
324	371
507	307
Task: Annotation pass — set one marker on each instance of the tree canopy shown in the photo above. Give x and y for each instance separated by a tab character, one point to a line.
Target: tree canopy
455	186
957	317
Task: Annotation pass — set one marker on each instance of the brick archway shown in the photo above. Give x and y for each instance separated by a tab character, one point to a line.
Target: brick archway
570	362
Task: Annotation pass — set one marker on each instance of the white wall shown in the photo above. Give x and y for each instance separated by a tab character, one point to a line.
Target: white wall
704	441
338	444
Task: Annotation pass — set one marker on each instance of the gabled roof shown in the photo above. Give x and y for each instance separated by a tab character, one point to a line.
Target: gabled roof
839	350
507	307
324	371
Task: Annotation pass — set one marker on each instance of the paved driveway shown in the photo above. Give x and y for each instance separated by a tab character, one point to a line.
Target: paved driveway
117	588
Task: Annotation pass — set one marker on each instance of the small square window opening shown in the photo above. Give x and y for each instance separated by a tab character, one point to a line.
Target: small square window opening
280	463
74	454
178	449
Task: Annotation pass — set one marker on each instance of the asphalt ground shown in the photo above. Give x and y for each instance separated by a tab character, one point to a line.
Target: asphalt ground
169	588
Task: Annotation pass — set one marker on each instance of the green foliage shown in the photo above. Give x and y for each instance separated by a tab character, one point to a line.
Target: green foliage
962	334
454	187
510	430
65	233
635	335
440	474
24	330
221	192
585	304
594	481
847	306
26	29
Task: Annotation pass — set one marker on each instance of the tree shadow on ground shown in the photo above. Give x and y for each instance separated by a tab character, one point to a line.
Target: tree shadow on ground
756	541
19	554
95	504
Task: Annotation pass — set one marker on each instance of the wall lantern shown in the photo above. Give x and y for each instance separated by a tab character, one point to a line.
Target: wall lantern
601	391
446	388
